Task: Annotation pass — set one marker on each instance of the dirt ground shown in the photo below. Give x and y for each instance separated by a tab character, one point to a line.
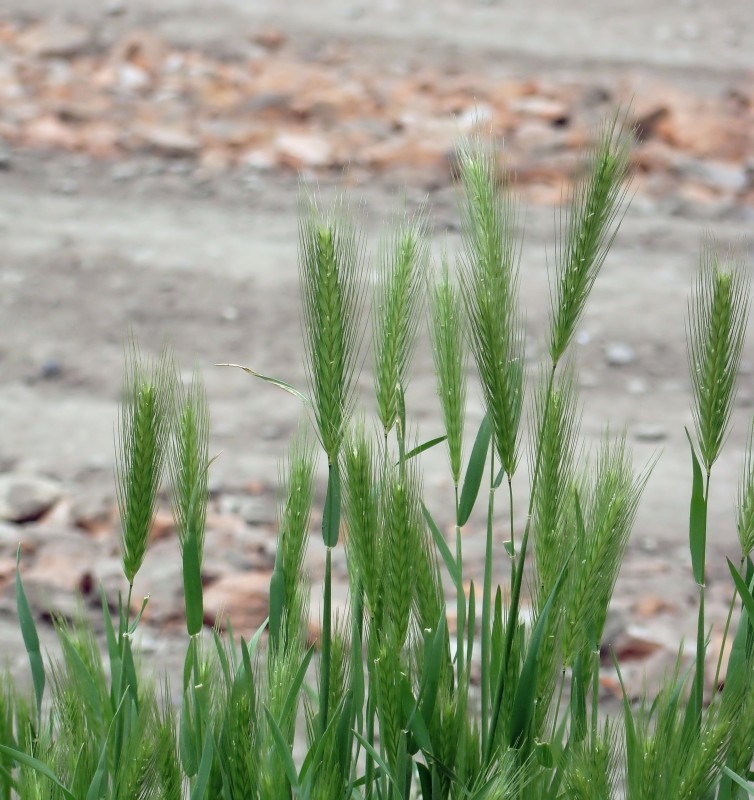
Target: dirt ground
95	245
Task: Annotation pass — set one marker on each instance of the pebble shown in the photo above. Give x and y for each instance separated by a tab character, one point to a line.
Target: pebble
54	39
240	596
303	150
51	369
5	160
170	141
619	354
650	432
25	498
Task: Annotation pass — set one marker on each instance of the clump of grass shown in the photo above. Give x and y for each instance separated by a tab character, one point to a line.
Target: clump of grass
385	705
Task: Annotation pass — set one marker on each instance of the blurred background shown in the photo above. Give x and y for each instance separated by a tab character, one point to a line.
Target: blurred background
150	161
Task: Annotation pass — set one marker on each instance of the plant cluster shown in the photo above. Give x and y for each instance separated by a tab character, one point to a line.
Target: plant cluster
389	703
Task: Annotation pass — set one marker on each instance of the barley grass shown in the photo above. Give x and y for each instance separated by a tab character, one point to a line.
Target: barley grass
396	699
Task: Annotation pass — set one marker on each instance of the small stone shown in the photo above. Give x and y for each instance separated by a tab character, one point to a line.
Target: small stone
543	108
25	498
619	354
5	159
51	370
242	597
652	605
717	175
650	432
169	141
269	38
54	39
131	77
299	150
230	314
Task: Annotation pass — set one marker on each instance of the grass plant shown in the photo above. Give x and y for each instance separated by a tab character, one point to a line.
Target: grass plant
398	698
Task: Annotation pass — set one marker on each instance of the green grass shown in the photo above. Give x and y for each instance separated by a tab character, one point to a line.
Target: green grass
389	703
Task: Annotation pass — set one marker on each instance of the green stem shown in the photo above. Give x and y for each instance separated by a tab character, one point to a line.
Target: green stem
560	700
700	637
513	539
369	761
324	685
726	630
460	599
486	603
517	581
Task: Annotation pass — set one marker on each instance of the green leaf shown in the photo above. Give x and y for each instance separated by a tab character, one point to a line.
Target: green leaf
294	689
37	766
30	637
697	519
186	744
544	754
284	751
471	628
416	723
331	514
98	786
192	584
442	546
274	381
474	471
423	447
378	760
749	788
433	658
202	777
135	624
526	689
84	682
743	590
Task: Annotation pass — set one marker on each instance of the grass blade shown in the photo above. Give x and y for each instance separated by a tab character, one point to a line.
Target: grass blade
331	514
442	546
192	585
743	590
283	750
475	471
526	688
37	766
30	637
274	381
424	446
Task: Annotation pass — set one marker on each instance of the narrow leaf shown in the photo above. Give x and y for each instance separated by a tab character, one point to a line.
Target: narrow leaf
37	766
202	777
523	701
474	471
274	381
30	637
192	585
331	514
743	590
442	546
424	446
283	750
